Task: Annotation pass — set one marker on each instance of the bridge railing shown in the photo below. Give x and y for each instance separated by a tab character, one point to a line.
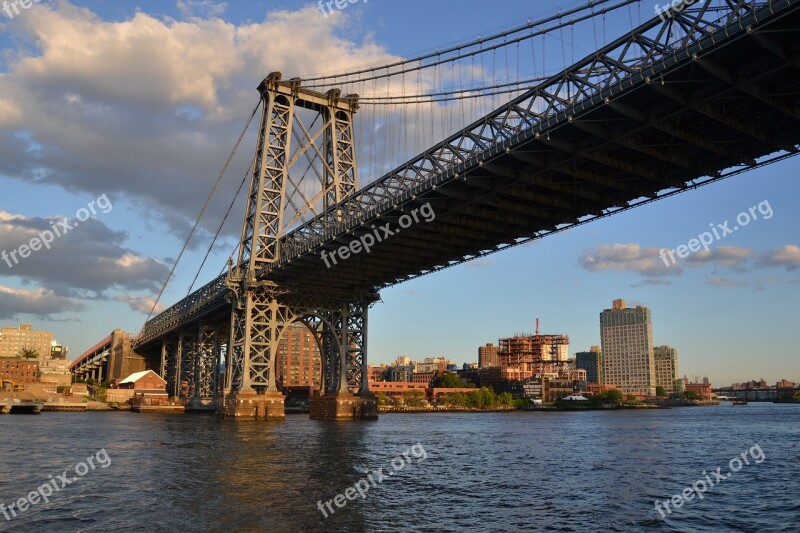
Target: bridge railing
196	303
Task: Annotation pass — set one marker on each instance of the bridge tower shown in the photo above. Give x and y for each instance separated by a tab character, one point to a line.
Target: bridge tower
262	308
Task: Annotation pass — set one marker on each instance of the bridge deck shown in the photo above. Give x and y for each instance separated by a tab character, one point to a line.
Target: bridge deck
662	128
657	126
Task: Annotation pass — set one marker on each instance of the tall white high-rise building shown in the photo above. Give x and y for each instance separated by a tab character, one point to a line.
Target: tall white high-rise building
626	336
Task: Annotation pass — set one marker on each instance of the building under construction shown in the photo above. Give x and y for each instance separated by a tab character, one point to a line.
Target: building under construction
523	356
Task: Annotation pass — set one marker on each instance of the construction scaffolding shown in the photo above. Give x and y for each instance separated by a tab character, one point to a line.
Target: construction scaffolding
525	356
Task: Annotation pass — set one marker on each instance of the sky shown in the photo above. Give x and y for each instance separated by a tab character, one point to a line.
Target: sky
119	116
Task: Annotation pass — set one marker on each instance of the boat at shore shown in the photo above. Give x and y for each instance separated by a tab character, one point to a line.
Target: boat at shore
739	402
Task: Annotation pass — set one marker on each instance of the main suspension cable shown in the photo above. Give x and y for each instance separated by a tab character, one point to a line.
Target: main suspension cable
383	71
200	215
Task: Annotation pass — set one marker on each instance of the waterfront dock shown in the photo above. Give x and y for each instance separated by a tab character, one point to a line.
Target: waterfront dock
158	408
64	407
17	407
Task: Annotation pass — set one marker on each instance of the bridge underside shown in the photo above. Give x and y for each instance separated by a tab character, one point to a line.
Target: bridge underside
702	111
736	104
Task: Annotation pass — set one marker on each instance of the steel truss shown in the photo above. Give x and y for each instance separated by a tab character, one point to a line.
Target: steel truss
211	339
643	55
636	60
262	310
169	360
339	328
186	359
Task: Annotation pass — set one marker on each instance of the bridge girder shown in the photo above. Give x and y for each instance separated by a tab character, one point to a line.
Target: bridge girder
680	112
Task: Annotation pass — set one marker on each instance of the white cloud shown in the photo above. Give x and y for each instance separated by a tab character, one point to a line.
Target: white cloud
147	108
141	304
786	256
734	257
90	257
38	302
628	257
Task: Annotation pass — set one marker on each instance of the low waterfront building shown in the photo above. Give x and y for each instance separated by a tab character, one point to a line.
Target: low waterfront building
396	388
703	390
148	387
555	389
145	380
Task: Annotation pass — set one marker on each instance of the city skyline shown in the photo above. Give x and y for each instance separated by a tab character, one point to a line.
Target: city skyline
716	307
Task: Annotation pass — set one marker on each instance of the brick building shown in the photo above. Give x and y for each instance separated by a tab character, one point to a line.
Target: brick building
298	359
488	356
19	370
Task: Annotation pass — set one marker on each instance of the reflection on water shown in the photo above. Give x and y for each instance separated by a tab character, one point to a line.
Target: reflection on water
498	471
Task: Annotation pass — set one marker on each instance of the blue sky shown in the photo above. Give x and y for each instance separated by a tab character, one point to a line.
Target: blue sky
143	101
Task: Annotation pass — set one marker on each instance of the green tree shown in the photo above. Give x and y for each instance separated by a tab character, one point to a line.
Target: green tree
690	395
455	398
661	391
414	398
28	353
448	381
381	397
796	396
609	396
506	398
630	398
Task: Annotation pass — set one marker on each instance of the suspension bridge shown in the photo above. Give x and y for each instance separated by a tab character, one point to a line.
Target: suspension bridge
682	100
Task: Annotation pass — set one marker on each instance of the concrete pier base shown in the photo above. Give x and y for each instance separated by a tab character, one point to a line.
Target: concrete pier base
253	406
344	407
201	405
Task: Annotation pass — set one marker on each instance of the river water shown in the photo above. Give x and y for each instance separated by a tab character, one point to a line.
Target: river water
521	471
